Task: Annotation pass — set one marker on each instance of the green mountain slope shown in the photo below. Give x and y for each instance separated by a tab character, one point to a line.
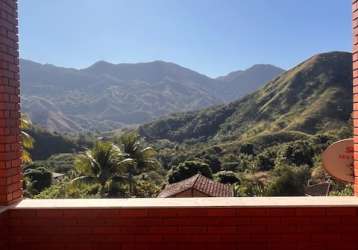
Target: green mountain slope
315	96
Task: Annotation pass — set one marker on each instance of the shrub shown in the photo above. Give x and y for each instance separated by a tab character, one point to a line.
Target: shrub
266	160
249	187
247	148
296	153
188	169
227	177
288	181
38	179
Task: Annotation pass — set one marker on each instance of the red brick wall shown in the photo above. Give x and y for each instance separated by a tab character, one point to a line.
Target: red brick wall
189	228
10	151
355	90
3	231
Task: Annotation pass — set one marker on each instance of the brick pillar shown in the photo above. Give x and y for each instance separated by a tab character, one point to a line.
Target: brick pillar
10	147
355	91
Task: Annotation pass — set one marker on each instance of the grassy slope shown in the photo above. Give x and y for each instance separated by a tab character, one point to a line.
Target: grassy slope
313	97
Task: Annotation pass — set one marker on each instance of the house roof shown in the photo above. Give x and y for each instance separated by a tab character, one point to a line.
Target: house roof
321	189
201	184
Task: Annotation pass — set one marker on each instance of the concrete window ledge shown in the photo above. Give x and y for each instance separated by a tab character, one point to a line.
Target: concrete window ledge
238	202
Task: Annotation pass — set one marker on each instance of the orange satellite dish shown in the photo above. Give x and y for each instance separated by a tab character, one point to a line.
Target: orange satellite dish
338	160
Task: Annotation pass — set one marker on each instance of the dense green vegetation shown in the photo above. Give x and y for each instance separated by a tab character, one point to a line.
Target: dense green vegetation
123	167
26	139
47	144
266	144
37	178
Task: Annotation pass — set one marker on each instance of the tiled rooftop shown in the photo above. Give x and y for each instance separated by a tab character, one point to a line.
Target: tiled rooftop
199	183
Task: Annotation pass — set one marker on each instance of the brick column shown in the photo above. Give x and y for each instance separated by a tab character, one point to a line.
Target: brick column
355	90
10	147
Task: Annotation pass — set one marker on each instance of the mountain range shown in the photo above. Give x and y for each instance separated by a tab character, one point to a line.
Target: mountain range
271	139
108	96
268	142
313	97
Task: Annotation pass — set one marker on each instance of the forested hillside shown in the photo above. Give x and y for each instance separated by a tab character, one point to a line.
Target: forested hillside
313	97
269	142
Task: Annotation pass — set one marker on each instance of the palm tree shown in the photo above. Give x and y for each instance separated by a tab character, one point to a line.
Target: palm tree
104	165
139	159
27	140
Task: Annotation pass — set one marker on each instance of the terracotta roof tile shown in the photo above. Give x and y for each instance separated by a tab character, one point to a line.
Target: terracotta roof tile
321	189
199	183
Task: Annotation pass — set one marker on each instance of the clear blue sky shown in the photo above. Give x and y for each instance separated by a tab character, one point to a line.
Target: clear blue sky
213	37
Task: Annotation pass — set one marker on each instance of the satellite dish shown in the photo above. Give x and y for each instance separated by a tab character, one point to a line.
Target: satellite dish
338	160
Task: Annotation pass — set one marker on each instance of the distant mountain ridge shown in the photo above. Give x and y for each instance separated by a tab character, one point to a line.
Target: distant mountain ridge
107	96
247	81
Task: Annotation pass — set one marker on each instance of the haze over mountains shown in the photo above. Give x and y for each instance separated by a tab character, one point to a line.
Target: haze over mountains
108	96
247	81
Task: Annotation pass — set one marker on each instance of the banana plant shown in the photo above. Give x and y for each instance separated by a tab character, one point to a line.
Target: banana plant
27	140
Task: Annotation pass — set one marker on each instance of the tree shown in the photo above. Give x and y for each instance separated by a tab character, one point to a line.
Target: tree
61	190
188	169
27	140
227	177
104	164
139	158
296	153
214	163
146	189
265	161
37	178
249	187
288	181
247	148
341	189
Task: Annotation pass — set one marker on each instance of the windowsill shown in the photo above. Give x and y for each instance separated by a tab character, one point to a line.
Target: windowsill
187	203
